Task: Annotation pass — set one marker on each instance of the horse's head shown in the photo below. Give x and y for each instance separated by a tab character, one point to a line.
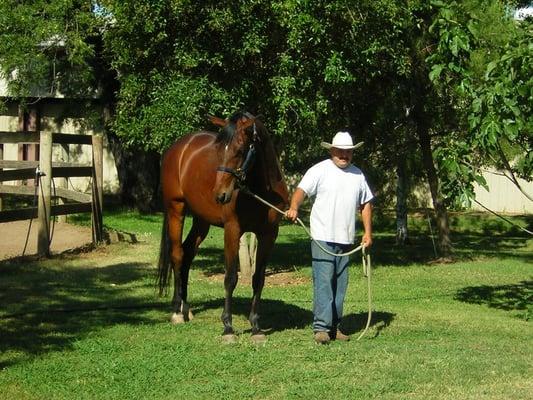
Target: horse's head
236	140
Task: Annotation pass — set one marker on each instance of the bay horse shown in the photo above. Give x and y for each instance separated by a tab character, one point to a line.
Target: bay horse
205	173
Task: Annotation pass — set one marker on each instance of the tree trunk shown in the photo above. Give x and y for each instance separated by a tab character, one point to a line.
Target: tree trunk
422	97
443	227
402	190
247	250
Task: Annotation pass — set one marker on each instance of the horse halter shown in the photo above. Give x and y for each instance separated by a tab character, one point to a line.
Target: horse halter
240	173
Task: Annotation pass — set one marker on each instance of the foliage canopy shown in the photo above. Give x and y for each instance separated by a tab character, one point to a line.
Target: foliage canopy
309	67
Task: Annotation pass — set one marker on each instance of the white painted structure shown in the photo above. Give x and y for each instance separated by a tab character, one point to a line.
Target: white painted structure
523	13
503	196
58	114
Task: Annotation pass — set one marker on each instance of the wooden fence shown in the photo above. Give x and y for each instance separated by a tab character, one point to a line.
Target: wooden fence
43	172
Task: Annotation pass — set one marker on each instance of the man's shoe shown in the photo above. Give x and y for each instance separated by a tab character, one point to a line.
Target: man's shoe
322	337
338	335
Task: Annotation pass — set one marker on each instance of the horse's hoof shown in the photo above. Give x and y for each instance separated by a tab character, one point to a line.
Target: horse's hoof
229	338
176	319
259	338
187	312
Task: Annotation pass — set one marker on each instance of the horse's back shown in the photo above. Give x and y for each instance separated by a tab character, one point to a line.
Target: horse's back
188	171
190	142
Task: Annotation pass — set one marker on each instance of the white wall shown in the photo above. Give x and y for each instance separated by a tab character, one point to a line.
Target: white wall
503	196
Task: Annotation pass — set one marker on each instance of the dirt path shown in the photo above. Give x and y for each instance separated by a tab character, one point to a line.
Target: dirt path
65	237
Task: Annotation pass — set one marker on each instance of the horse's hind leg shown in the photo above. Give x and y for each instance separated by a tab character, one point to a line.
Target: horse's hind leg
265	242
195	237
176	216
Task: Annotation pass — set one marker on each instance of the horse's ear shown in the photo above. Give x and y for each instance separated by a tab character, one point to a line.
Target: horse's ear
217	121
246	122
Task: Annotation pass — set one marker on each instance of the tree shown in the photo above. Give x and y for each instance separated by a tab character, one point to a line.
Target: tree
247	253
484	60
188	59
49	47
309	68
464	119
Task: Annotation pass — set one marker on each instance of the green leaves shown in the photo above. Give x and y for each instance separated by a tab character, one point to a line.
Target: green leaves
483	60
46	47
490	67
310	67
175	106
435	72
490	131
335	70
459	42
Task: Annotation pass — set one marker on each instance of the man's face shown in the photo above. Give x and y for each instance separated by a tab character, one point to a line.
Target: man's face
341	158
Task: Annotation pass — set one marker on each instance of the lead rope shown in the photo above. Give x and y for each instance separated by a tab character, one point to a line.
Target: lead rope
367	265
367	271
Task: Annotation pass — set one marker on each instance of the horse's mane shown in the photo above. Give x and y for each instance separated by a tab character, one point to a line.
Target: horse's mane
268	157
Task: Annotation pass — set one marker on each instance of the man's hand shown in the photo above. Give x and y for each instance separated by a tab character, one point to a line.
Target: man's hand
366	241
296	201
291	214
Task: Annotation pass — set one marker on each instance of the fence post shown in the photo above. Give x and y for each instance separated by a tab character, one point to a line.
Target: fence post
63	182
44	209
97	189
1	158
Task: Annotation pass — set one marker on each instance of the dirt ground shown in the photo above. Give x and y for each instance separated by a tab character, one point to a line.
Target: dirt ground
65	237
69	237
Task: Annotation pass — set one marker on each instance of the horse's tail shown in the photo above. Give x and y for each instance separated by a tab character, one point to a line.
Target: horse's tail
164	264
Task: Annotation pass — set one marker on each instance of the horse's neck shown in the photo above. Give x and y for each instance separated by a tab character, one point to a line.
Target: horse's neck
267	174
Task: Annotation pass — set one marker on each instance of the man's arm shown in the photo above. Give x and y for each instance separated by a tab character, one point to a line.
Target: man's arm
296	201
366	218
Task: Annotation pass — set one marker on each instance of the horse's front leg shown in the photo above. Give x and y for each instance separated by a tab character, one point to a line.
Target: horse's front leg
231	249
265	242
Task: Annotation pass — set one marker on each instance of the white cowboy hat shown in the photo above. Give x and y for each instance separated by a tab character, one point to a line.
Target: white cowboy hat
342	140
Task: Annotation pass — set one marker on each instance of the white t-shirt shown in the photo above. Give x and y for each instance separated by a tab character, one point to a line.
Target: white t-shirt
338	193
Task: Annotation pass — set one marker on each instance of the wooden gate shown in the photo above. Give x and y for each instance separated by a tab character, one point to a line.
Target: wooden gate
43	172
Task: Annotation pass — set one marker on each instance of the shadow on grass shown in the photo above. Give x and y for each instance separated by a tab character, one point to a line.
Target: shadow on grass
355	323
466	247
49	308
277	316
514	297
287	257
473	235
295	253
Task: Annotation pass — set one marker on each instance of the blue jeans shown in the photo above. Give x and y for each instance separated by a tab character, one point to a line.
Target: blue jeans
330	281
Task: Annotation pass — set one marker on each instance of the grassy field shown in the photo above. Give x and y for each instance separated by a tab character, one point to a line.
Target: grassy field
91	326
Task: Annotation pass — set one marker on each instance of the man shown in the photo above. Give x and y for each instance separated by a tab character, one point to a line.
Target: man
340	191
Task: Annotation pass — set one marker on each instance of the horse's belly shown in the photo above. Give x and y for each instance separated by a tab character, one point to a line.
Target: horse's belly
204	206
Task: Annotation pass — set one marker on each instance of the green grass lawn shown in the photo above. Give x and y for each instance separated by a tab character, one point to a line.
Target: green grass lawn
91	326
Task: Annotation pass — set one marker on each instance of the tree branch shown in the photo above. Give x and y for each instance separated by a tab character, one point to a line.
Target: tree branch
512	177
